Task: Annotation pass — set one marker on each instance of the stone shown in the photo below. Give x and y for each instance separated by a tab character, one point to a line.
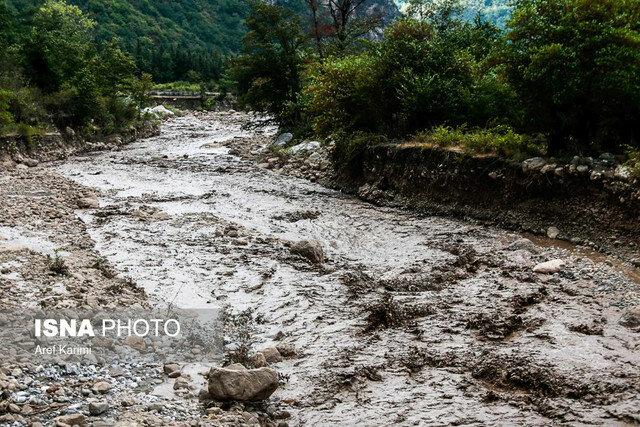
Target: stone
97	407
203	394
283	140
286	349
533	164
271	355
607	156
257	360
309	249
552	232
136	342
171	368
553	266
623	173
70	420
582	168
89	203
304	146
181	383
631	318
160	216
248	385
101	387
32	163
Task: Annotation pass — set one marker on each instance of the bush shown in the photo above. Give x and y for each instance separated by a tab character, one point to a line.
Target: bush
575	64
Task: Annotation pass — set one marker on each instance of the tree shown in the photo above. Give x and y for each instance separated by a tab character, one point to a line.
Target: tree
268	72
348	26
60	45
576	66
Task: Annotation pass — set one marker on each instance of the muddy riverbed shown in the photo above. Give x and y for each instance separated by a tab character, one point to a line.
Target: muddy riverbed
411	320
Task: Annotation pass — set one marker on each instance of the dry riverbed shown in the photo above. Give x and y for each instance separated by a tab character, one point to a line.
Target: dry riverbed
403	319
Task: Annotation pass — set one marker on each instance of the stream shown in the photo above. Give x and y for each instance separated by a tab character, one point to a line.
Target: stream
474	335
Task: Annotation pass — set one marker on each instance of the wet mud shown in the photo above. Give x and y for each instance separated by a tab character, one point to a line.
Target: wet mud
411	319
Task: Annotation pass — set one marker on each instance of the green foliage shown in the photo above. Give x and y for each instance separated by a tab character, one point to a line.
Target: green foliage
55	73
576	66
268	73
633	159
166	39
500	140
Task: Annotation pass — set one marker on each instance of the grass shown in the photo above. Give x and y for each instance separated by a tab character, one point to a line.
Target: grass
501	141
57	264
633	160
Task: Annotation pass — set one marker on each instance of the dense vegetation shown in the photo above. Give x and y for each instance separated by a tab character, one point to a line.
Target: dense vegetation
54	73
171	40
562	77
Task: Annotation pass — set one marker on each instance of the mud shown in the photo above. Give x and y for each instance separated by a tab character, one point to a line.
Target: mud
411	320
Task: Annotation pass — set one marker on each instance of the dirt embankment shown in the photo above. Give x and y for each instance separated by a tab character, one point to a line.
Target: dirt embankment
15	149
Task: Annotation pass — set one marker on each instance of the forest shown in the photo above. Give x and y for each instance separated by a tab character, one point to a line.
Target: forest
562	76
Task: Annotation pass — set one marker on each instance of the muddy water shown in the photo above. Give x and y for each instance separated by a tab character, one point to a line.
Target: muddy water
472	335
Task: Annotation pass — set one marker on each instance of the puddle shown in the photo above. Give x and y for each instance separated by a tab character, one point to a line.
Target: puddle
595	256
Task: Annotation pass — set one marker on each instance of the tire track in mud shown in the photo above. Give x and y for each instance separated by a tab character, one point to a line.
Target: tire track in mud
411	320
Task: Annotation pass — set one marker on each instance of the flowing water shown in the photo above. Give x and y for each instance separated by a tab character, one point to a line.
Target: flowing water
225	244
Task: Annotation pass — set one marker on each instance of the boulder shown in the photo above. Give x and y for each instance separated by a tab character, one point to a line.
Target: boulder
533	164
553	266
171	369
310	249
247	385
282	140
623	173
552	232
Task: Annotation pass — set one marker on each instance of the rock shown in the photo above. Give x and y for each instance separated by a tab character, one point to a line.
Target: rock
258	360
160	216
249	385
159	111
282	140
552	232
309	249
533	164
304	146
171	369
623	172
97	407
631	318
582	168
70	420
548	168
522	245
286	349
203	394
89	203
607	156
135	341
101	387
271	355
553	266
32	163
181	383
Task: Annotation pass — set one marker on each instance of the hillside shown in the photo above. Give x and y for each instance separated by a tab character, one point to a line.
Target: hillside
166	38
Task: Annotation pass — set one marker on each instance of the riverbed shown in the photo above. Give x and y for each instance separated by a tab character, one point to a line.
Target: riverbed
410	320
